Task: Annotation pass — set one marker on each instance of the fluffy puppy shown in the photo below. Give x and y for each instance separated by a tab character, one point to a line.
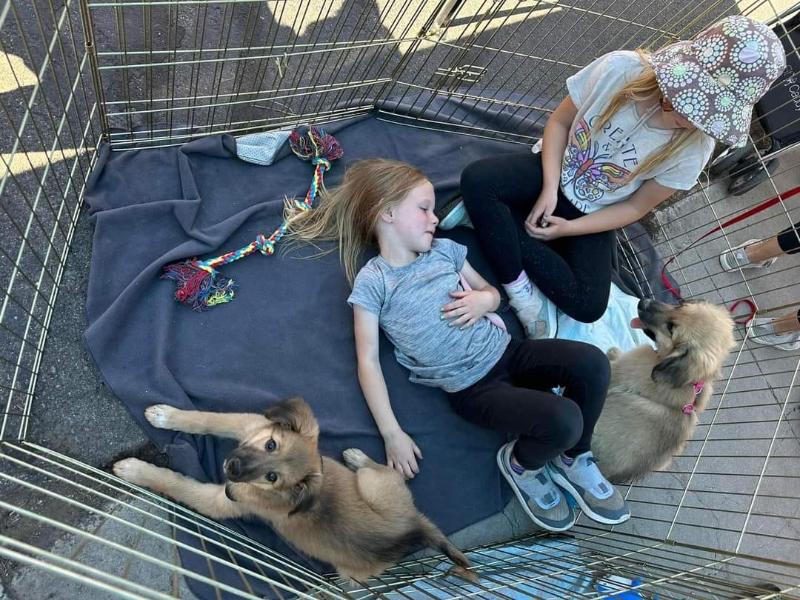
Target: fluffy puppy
360	518
655	396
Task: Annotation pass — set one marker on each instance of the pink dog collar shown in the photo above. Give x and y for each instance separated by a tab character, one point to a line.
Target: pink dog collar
698	386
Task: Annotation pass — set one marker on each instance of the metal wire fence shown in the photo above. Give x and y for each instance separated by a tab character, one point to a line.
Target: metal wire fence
721	522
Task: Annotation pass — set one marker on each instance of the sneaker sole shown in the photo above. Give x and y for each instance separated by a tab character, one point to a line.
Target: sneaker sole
758	340
786	347
552	319
522	500
565	485
455	216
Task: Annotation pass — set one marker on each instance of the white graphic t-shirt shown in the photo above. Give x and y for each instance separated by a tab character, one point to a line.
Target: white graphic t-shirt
596	164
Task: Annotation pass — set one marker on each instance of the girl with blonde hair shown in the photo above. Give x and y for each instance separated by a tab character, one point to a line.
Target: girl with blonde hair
633	129
436	310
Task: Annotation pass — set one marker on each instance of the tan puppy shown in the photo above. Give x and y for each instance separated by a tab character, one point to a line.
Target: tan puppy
360	519
655	396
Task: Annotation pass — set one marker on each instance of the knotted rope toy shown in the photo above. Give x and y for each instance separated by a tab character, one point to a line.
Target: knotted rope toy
198	281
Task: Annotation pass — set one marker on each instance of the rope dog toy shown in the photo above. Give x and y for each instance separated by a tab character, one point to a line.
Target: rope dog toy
199	284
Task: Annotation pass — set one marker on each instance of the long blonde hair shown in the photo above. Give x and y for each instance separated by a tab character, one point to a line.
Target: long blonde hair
349	213
644	87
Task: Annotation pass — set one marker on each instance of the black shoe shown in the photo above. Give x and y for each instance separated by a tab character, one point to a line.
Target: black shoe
749	178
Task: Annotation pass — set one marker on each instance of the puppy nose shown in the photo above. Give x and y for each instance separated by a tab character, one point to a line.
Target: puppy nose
233	468
645	303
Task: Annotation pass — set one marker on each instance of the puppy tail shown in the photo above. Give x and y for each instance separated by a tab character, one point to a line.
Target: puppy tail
434	538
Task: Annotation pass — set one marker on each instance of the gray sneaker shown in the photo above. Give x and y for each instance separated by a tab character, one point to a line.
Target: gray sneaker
585	484
539	496
760	332
736	258
536	312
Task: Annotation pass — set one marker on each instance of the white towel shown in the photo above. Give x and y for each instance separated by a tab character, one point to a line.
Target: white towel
612	330
261	148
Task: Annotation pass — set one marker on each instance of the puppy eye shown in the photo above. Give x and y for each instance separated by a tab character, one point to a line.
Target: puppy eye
271	445
272	476
670	326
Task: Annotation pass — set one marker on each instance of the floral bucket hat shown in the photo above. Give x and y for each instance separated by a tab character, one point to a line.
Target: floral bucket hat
715	79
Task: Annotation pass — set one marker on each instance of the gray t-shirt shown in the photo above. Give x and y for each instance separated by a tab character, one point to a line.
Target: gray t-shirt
596	164
408	302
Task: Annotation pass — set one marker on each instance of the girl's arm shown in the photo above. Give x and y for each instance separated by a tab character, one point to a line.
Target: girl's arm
401	451
479	284
554	142
645	199
469	306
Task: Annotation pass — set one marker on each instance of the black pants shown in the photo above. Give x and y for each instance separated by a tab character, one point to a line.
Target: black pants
574	272
515	397
789	239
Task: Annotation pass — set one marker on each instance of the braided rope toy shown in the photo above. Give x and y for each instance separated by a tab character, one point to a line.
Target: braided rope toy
197	280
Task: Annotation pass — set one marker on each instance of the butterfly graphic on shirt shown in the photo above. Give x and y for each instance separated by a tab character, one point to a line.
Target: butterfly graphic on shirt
586	169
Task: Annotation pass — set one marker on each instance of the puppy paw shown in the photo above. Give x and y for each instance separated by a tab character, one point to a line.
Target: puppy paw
160	416
614	353
133	470
354	458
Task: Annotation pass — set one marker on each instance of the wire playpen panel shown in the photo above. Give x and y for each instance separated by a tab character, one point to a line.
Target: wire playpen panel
49	133
720	522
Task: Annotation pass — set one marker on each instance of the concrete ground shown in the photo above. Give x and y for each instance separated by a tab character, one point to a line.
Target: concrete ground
75	414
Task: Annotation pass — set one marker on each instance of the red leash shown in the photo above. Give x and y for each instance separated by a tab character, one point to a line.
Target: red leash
740	217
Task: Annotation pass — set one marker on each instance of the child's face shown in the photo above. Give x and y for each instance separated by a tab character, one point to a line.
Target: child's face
413	218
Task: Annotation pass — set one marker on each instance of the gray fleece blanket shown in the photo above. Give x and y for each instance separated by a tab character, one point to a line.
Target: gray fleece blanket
289	330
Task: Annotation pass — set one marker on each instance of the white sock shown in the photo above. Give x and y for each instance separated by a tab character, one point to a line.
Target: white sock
520	284
528	305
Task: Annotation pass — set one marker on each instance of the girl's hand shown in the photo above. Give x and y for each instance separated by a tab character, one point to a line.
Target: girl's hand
556	227
402	453
544	207
468	307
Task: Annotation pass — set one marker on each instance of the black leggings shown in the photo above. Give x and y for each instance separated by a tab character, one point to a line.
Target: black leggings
789	239
574	272
515	397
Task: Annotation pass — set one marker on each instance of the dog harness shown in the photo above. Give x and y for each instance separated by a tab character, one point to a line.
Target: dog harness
698	386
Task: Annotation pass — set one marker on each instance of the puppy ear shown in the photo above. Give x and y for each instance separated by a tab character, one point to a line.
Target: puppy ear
304	493
294	414
674	369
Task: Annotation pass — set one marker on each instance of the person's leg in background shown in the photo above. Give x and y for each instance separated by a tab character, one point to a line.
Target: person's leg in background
780	332
757	254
